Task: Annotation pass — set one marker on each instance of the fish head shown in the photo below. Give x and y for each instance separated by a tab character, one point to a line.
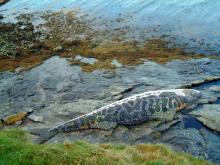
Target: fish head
191	96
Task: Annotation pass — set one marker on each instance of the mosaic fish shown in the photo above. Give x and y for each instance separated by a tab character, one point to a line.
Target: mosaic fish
159	105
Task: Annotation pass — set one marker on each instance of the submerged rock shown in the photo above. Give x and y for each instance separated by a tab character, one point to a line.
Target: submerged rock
209	116
215	88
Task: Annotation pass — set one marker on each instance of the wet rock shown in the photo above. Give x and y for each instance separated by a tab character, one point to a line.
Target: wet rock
208	97
212	145
208	100
187	140
215	88
209	116
204	61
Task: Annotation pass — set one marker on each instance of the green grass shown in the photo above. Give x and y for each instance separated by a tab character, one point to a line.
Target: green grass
16	149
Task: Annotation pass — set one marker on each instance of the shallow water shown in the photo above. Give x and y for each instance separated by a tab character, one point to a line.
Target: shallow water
196	22
190	122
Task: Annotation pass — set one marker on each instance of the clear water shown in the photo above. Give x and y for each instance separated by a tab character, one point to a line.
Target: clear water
188	20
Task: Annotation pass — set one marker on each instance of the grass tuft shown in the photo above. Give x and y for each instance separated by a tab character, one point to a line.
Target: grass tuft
16	149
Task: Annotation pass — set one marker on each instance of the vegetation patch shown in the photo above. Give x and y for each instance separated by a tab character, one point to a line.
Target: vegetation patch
15	148
69	34
20	46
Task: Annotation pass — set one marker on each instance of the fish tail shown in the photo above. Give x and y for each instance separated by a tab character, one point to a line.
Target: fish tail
44	135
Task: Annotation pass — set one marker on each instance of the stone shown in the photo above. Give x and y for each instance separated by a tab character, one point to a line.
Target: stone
212	145
204	61
214	88
187	140
59	48
209	115
10	120
116	63
86	60
36	118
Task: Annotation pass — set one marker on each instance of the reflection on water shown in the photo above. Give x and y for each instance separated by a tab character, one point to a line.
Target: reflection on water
189	21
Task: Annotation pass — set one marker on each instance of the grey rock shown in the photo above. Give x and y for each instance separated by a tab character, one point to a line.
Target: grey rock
187	140
59	48
209	116
215	88
116	63
86	60
36	118
212	145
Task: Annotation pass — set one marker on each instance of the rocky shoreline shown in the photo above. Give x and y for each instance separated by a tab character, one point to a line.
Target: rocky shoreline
51	101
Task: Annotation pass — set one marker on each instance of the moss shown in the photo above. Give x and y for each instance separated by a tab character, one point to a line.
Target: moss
15	148
19	47
76	35
15	118
127	53
91	67
25	62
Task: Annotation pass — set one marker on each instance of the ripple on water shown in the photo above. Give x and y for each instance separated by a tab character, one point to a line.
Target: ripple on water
188	20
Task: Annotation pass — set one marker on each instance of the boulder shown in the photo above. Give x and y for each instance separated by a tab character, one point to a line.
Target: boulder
209	116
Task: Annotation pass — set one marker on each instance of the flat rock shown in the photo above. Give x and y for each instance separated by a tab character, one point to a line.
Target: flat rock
187	140
209	116
215	88
36	118
86	60
212	145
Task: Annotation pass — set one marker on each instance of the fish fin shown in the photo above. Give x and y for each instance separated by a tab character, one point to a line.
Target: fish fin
104	125
44	135
165	126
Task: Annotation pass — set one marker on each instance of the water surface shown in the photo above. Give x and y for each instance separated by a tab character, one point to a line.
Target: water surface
196	22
